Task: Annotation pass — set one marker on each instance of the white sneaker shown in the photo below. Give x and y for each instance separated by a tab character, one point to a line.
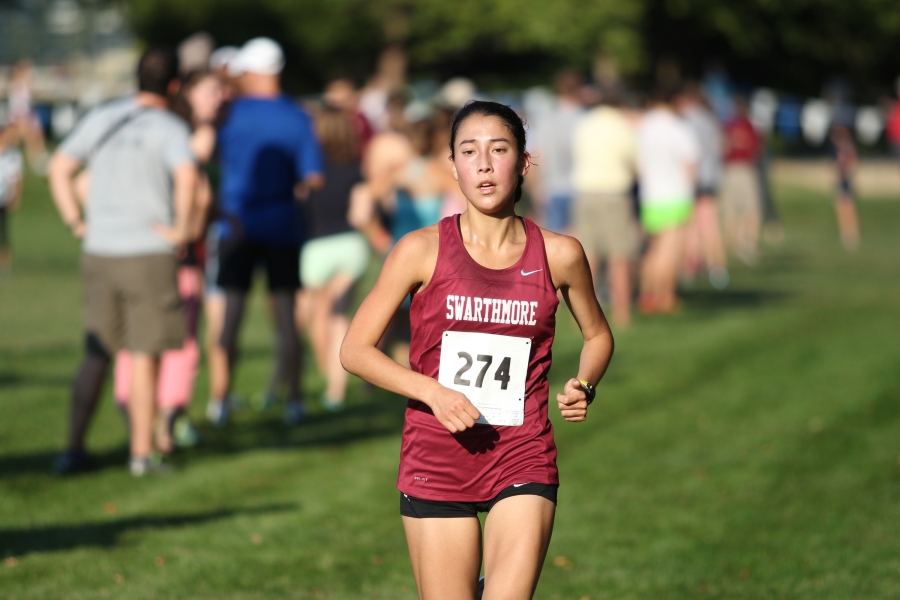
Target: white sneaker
217	412
719	278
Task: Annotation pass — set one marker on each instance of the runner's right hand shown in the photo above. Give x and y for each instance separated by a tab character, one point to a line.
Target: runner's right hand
452	409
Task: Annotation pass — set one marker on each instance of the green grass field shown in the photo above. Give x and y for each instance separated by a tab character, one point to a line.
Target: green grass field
747	448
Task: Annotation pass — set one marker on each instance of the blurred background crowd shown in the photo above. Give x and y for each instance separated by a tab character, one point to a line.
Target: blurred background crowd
315	151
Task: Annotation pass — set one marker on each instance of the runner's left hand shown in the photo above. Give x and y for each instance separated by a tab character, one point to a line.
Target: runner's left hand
573	402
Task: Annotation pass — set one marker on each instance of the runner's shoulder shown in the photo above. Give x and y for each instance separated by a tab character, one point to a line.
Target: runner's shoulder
417	247
563	251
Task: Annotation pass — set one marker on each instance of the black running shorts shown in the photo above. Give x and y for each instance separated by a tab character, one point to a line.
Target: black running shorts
438	509
239	258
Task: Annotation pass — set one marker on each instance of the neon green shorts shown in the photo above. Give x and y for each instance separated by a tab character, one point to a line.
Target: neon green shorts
656	218
324	257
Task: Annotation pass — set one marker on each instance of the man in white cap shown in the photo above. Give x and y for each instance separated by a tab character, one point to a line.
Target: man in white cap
266	147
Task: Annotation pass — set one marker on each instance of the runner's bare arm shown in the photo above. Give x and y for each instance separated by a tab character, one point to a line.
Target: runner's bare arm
409	266
572	276
61	173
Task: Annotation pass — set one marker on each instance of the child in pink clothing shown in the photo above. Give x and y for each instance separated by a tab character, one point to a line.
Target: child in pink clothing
177	371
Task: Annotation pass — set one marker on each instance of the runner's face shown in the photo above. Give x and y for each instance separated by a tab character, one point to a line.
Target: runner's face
487	164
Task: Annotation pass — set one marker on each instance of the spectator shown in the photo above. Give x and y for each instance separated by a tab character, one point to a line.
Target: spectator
844	154
266	147
667	162
342	93
893	123
703	247
336	255
138	212
741	200
552	146
10	189
198	102
24	118
603	156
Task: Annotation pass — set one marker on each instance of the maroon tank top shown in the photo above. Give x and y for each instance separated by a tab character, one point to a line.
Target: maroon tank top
463	296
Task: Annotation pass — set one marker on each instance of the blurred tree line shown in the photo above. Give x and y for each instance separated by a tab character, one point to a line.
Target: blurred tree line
793	45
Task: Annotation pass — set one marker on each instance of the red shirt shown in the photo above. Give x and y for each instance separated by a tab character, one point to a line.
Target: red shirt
741	141
893	124
477	464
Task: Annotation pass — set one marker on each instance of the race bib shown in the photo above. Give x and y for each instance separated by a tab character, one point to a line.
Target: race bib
490	370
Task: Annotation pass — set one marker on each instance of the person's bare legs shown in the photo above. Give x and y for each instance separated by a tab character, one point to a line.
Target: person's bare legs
516	537
749	236
217	357
445	556
706	216
848	221
321	302
650	269
670	247
142	403
619	277
303	309
337	376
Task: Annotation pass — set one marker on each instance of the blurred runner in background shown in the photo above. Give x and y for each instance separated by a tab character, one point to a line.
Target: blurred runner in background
266	148
741	200
138	212
604	155
668	153
703	244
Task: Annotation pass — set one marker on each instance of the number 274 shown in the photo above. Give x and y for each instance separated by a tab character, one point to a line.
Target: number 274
502	374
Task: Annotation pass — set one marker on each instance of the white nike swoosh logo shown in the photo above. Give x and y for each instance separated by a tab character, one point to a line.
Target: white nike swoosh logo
519	484
524	274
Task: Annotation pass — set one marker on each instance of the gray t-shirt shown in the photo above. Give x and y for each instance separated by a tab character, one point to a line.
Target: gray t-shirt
552	143
131	152
706	128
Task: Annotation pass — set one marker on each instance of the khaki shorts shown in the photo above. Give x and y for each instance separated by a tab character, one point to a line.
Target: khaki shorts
132	302
605	226
741	194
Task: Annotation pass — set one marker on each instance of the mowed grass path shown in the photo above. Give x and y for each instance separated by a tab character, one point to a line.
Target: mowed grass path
747	448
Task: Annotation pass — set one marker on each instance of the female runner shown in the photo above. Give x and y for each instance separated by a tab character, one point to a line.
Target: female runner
484	296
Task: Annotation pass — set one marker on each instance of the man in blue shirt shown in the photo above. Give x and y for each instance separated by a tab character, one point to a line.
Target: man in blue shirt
266	147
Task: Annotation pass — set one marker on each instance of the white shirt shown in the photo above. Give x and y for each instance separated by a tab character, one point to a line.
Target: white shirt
10	173
667	151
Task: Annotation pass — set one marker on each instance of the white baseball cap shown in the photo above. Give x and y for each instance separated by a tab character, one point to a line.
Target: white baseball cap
223	57
260	55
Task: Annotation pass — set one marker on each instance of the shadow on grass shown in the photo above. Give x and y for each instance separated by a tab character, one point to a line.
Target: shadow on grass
381	415
105	534
710	300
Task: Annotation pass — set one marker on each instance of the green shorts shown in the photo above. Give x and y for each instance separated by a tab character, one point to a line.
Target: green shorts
656	218
323	258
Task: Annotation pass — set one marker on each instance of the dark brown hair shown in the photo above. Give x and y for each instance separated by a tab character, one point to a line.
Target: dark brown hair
510	118
337	135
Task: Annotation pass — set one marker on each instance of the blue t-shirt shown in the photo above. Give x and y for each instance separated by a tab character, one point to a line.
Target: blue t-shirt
266	145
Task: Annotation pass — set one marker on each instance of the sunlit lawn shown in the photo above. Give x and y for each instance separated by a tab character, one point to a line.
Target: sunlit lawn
747	448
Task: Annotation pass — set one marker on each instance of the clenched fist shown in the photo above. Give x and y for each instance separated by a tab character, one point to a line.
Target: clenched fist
573	402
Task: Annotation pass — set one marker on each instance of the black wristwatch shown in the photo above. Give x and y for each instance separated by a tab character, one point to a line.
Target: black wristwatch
589	390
